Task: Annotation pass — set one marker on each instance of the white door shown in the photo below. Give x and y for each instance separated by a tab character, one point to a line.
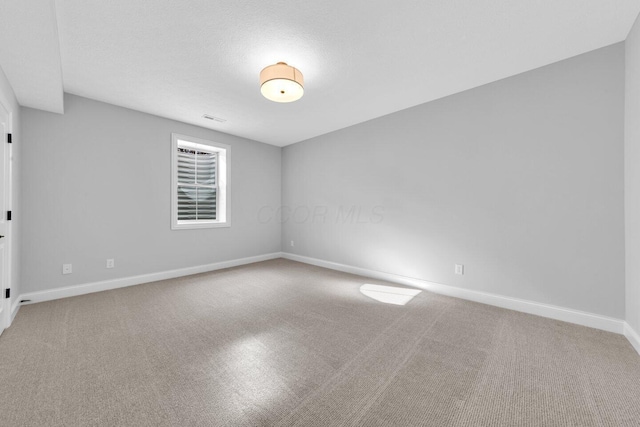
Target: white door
5	226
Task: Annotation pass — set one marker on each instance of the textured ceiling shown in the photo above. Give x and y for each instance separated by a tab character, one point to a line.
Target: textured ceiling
30	53
360	59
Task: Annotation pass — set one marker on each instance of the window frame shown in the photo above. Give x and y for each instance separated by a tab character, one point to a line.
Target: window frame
223	193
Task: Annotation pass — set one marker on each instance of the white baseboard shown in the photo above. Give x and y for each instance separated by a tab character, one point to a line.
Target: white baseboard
545	310
14	310
632	336
591	320
71	291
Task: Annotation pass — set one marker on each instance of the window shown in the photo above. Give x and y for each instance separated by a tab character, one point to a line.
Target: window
200	183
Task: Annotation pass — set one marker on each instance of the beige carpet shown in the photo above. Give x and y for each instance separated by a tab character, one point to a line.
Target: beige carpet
280	343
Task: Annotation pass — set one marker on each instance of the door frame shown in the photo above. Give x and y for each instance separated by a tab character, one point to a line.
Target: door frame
7	312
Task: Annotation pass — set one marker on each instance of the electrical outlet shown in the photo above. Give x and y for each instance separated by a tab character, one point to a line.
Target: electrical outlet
459	269
66	269
292	245
110	263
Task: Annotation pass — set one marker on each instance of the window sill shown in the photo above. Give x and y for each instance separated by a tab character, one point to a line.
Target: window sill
189	226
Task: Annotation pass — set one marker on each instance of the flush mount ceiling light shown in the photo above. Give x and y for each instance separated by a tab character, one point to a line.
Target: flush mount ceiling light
281	83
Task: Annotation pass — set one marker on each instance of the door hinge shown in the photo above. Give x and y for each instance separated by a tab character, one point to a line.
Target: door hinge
8	215
7	293
9	138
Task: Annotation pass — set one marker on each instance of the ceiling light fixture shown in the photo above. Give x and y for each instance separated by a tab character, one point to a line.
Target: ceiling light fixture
281	83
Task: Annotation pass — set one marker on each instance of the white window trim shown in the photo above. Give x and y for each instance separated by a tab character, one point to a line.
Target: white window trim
224	190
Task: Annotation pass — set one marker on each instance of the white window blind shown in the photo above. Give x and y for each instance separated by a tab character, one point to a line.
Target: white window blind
200	183
197	184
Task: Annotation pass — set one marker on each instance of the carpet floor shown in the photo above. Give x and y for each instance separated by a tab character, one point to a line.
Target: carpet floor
280	343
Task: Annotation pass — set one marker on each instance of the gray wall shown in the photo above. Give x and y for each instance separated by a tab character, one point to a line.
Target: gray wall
7	97
632	176
520	180
97	184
